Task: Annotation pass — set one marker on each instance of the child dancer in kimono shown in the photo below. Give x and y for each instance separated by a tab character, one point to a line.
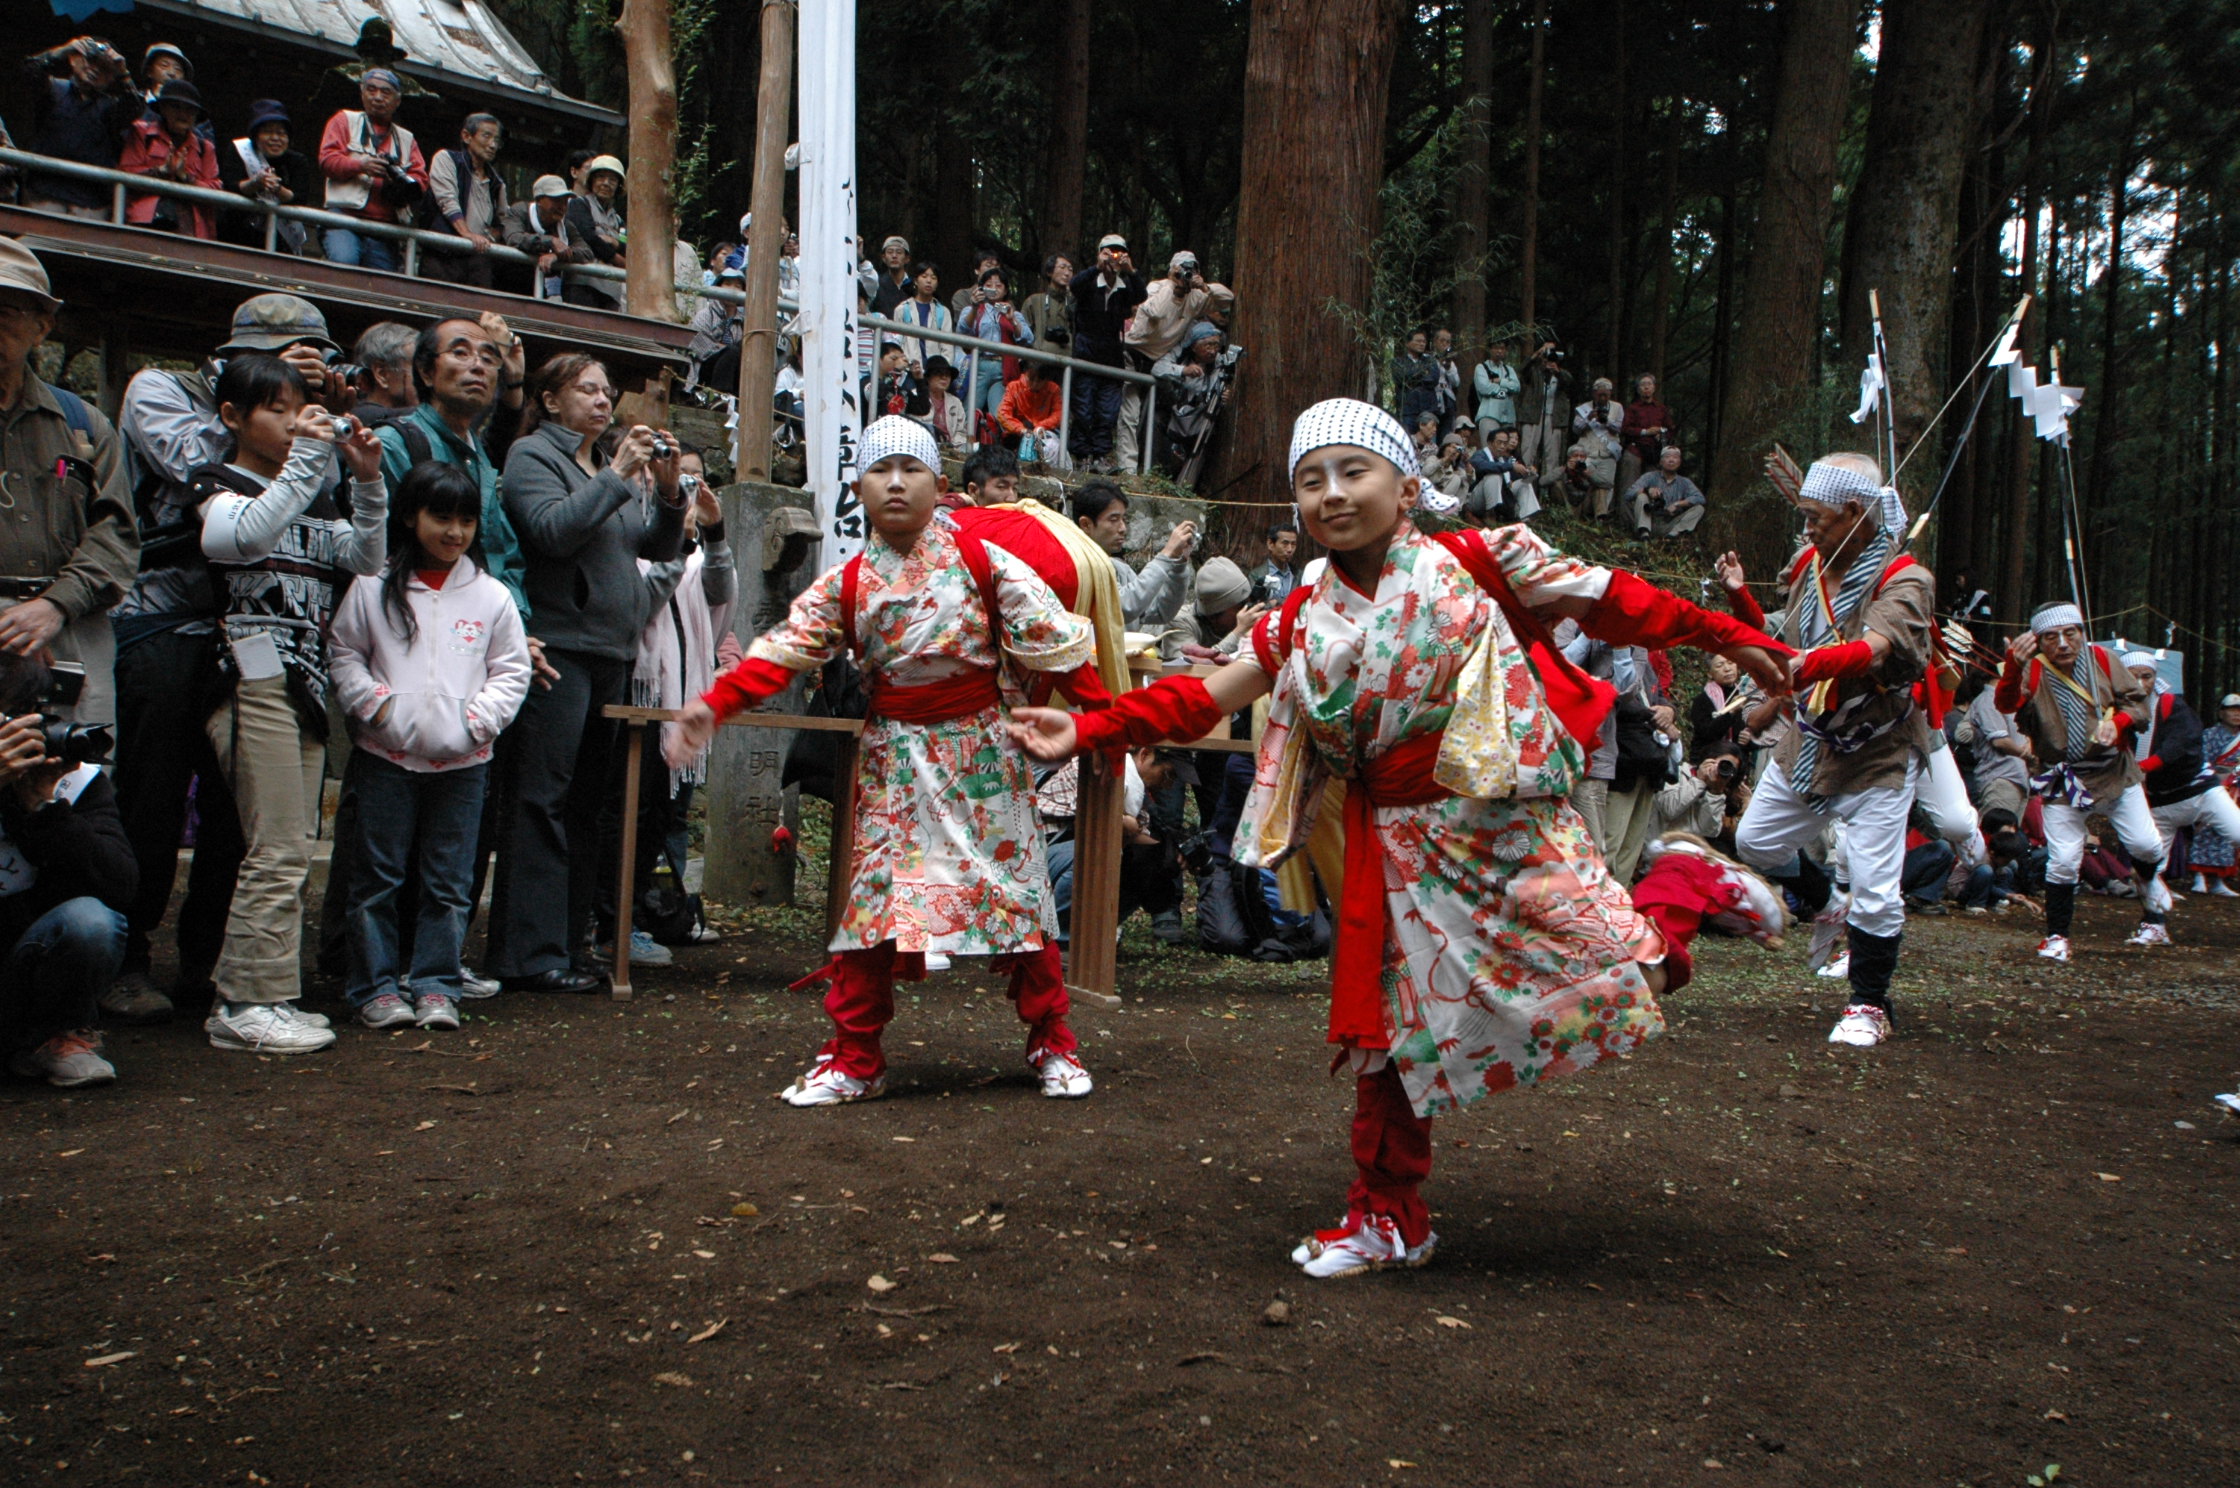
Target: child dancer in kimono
948	851
1481	942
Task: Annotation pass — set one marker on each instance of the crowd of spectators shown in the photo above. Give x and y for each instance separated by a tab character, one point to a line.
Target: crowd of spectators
367	166
1505	441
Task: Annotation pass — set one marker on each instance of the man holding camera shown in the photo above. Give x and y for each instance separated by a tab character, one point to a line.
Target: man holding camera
71	549
81	110
1541	402
66	872
167	651
1171	306
374	171
1707	800
1102	303
1664	502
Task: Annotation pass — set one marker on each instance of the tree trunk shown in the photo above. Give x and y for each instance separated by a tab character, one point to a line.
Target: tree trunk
2105	426
1660	314
1474	180
1614	350
1317	74
953	215
651	290
1067	171
1929	94
1774	344
1528	253
758	347
1722	338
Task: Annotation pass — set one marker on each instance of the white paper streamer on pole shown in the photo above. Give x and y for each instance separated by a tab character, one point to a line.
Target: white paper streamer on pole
832	391
1873	382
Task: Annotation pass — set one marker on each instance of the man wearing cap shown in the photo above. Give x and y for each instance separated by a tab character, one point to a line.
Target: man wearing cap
81	109
1862	613
2079	709
595	223
1171	308
890	284
66	558
539	228
1102	303
470	202
166	631
2184	788
373	168
166	144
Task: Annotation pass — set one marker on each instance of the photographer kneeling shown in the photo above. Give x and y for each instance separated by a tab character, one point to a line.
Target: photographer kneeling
66	876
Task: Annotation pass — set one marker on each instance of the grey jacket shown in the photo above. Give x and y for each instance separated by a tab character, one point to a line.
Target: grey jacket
581	539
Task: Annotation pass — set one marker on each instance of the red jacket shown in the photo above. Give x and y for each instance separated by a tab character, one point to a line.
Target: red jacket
148	148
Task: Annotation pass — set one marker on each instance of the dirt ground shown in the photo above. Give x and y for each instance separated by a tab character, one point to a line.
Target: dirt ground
576	1241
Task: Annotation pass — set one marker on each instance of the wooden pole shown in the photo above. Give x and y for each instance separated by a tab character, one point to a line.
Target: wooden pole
758	349
651	290
626	891
1092	969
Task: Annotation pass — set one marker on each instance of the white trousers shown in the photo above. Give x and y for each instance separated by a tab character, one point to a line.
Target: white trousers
1943	795
2212	808
2135	829
1779	821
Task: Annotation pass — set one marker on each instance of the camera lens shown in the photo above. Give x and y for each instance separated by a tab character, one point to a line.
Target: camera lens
341	429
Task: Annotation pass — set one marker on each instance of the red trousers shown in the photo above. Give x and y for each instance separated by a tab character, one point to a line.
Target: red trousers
860	1003
1391	1155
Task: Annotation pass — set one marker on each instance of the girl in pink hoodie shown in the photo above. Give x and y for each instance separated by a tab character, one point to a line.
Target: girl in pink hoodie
430	662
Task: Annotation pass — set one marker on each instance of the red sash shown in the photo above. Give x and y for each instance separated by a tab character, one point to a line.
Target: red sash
1399	777
950	698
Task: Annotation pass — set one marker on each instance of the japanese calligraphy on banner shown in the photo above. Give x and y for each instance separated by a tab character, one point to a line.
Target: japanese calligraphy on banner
833	388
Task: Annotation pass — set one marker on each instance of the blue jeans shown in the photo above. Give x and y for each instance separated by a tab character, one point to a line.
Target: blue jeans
1095	416
361	250
68	957
987	392
403	816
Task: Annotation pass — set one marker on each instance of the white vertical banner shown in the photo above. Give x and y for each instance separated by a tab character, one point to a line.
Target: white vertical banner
832	390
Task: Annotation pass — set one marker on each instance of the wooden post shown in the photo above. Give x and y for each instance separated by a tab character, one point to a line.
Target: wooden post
625	896
837	876
1092	970
766	240
651	290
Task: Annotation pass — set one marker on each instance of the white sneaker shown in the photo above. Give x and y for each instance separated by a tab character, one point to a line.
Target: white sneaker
2054	948
265	1028
2198	886
70	1059
825	1085
1862	1026
316	1020
1369	1245
2219	889
1063	1078
474	985
1839	968
2148	934
2230	1101
1827	929
386	1011
936	961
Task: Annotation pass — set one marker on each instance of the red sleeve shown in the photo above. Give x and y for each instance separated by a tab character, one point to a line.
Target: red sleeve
2015	687
1084	688
133	158
1179	709
335	160
752	681
1851	659
2151	763
1745	606
206	165
2123	721
1634	612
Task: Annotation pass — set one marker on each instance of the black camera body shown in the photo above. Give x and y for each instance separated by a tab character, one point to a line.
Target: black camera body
76	743
341	370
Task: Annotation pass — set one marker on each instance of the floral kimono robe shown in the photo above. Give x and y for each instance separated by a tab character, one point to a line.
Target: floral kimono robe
948	853
1509	952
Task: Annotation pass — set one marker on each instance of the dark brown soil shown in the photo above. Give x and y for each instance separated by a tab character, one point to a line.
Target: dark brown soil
2004	1241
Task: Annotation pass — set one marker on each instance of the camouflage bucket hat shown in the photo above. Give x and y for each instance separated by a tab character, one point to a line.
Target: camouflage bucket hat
271	322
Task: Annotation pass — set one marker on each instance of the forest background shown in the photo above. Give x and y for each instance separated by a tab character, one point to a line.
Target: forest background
1718	184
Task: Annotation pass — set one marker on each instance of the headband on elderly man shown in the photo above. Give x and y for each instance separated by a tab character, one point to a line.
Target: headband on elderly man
2054	616
1350	421
1837	486
895	435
